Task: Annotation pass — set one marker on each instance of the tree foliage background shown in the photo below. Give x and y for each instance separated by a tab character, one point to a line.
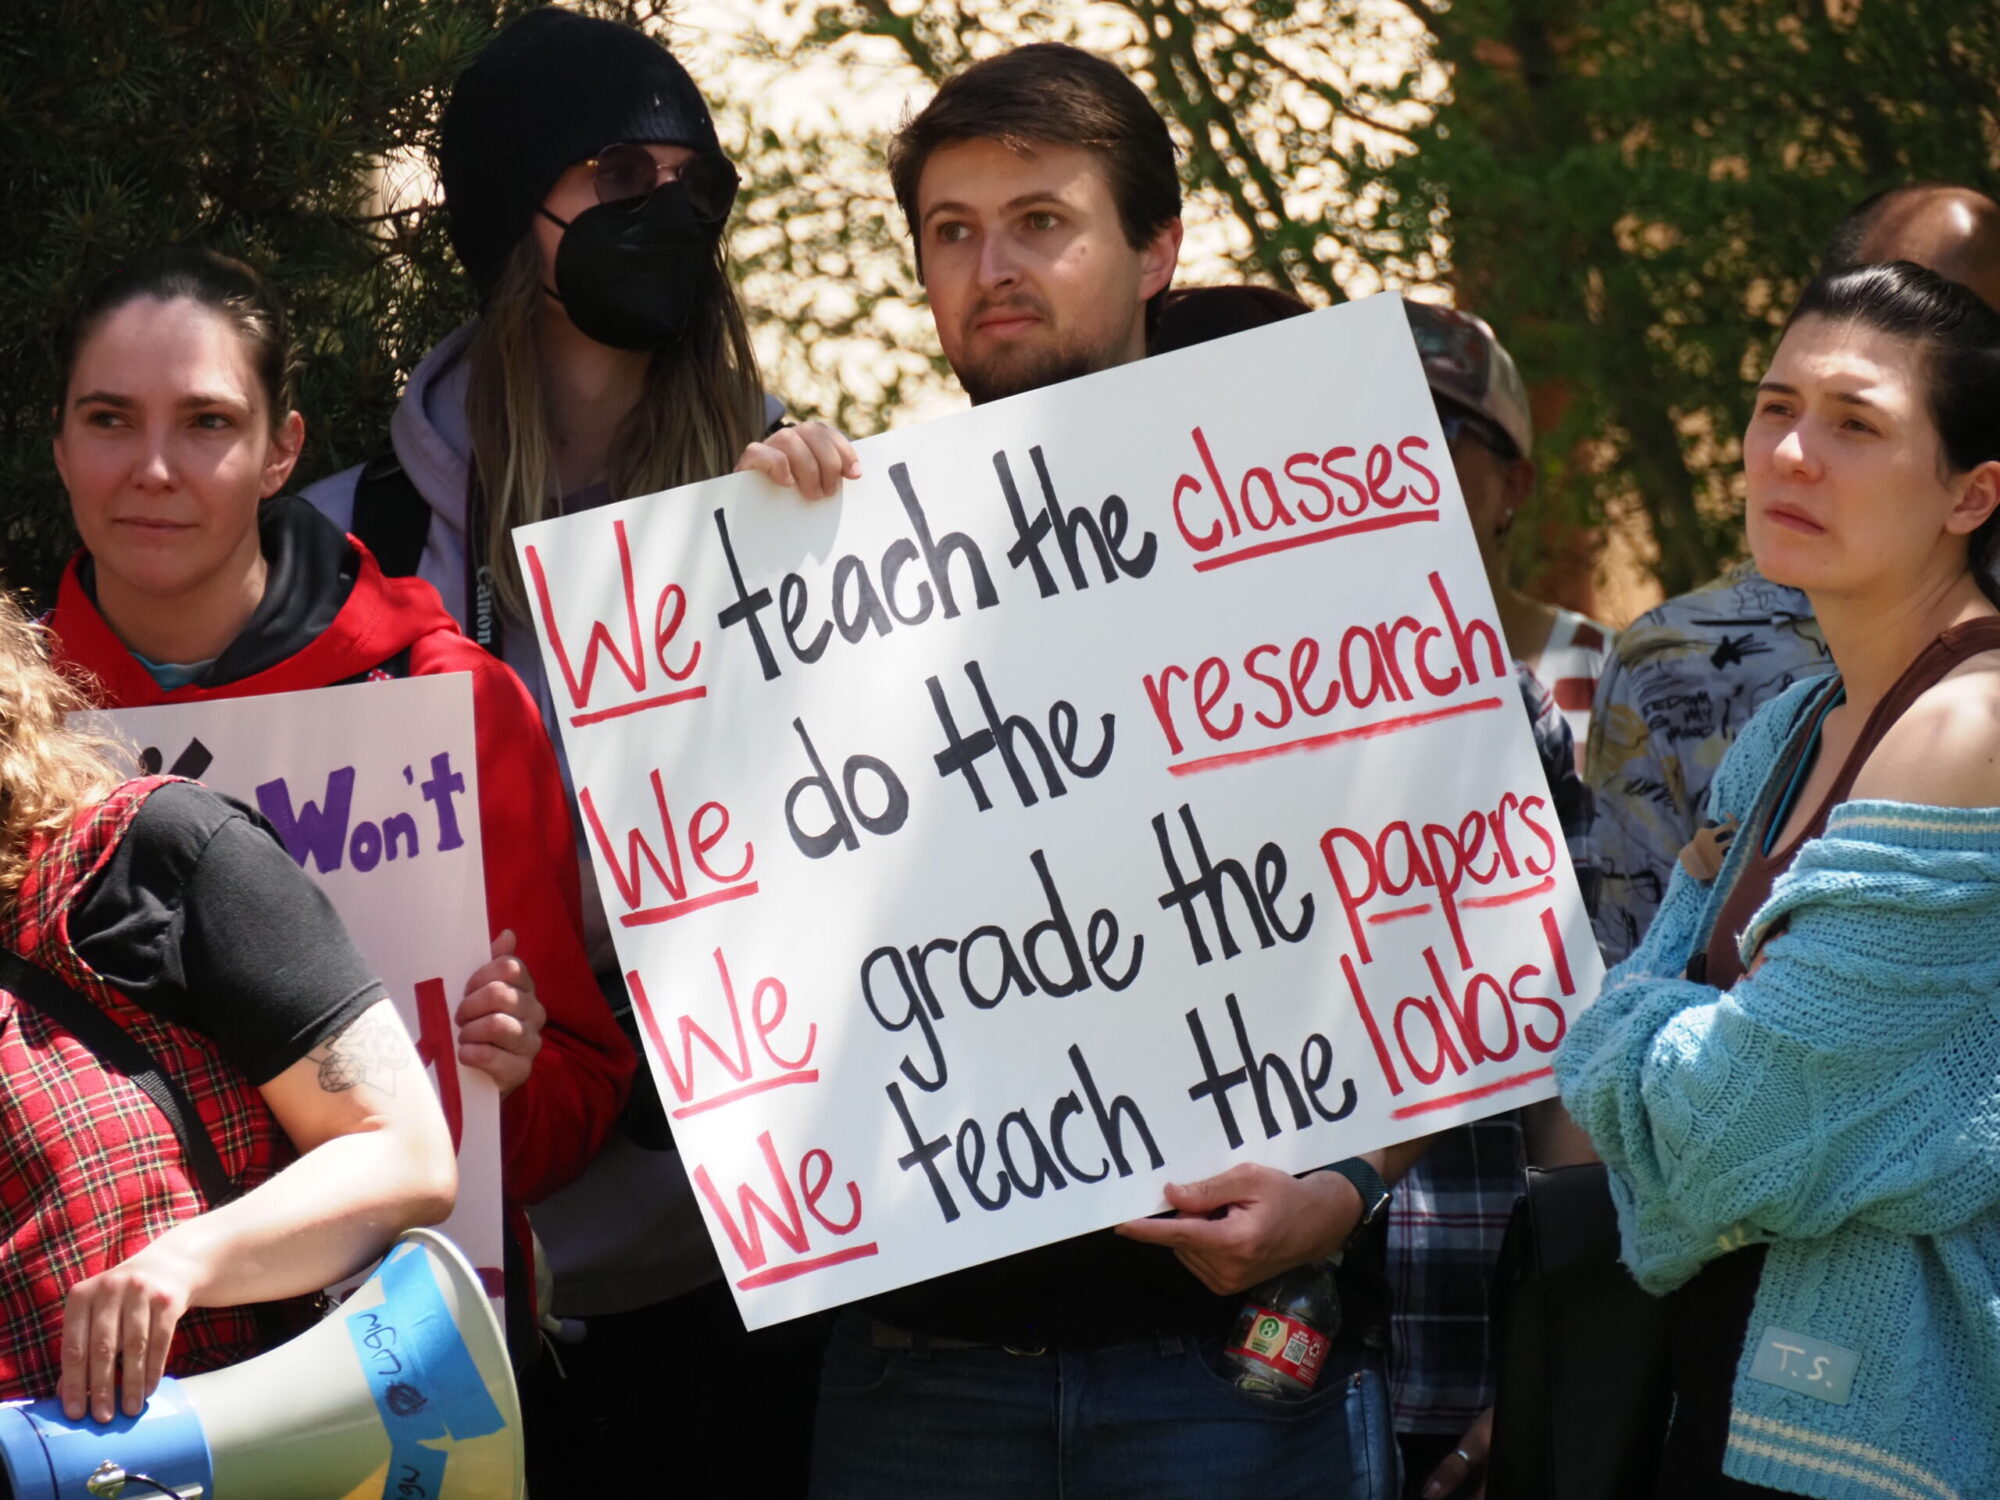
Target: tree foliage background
249	125
1631	191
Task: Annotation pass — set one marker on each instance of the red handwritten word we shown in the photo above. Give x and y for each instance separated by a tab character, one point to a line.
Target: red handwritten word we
815	1174
669	614
707	828
736	1062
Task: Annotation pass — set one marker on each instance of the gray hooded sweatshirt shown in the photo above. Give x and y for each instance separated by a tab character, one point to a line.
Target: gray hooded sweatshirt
431	441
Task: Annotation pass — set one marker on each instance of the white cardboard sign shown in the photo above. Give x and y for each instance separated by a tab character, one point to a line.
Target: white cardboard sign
1117	782
375	790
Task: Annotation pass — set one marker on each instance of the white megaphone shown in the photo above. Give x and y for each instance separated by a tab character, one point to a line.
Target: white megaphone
404	1392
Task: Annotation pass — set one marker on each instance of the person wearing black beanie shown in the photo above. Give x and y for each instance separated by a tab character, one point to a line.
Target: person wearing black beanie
547	93
587	194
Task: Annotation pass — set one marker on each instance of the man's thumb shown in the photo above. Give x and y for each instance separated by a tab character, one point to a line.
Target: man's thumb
1206	1195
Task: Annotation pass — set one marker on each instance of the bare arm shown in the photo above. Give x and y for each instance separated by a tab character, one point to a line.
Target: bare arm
375	1159
1945	750
1553	1139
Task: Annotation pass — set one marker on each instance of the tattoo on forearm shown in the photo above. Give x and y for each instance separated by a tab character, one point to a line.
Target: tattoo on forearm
372	1050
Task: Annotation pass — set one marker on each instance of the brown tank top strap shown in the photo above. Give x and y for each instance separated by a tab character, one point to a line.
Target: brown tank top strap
1719	963
1953	646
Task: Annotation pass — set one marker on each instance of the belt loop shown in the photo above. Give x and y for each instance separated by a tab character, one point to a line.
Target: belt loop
1170	1345
920	1346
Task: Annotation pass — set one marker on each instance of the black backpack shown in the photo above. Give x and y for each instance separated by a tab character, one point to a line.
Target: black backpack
391	517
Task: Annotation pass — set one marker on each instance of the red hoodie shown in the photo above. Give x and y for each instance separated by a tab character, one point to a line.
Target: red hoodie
329	616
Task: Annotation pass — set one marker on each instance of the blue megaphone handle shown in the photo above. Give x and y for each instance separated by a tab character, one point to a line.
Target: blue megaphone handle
425	1384
48	1457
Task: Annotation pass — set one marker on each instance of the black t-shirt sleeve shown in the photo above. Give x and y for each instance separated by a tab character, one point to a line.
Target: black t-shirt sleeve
202	918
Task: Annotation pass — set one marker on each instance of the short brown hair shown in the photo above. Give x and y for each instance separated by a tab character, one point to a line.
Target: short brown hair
1049	93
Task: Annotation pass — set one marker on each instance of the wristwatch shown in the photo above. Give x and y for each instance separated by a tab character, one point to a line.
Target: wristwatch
1368	1183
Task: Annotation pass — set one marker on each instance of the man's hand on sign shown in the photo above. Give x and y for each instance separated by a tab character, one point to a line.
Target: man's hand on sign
124	1316
500	1020
811	457
1247	1224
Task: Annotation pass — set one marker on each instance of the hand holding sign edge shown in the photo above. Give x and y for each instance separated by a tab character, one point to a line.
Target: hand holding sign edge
811	457
1269	1221
500	1019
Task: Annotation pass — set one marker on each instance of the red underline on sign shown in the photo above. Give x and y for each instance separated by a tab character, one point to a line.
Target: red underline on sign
804	1267
1306	539
1339	736
1517	1081
577	721
667	913
811	1075
1399	913
1541	887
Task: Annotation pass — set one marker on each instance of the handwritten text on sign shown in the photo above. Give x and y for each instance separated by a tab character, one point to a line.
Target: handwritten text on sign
374	789
1117	782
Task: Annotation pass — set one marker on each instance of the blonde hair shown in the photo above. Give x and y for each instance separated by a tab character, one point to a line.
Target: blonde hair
702	404
49	772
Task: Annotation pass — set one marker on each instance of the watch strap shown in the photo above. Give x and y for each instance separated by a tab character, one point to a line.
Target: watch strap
1368	1183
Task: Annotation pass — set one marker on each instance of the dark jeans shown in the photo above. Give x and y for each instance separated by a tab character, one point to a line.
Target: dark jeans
1152	1419
675	1398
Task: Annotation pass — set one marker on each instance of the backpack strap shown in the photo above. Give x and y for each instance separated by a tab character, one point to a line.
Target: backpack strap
124	1053
391	516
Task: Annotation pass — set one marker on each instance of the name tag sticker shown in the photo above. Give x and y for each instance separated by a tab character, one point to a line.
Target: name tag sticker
1812	1367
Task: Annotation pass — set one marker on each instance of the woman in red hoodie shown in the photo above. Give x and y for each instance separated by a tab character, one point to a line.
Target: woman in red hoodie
199	580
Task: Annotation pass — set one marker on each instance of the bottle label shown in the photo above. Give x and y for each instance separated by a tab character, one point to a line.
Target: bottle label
1286	1345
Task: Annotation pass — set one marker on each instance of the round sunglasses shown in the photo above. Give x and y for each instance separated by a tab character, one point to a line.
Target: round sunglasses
624	172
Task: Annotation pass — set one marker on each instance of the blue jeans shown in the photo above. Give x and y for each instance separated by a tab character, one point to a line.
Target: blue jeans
1153	1419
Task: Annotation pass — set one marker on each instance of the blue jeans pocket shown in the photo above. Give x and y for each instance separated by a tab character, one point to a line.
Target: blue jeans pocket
1333	1389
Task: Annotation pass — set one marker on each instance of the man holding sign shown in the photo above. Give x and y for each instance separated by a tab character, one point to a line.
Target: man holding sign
1045	208
1098	796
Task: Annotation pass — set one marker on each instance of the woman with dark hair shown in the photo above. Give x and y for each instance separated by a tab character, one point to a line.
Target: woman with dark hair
130	1247
1795	1080
199	580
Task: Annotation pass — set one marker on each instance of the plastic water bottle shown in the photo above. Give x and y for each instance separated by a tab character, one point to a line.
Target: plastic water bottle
1284	1331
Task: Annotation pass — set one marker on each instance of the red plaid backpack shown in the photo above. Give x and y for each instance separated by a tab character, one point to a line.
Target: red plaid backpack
90	1169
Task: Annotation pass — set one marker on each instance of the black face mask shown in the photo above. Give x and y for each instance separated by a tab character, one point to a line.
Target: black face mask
632	275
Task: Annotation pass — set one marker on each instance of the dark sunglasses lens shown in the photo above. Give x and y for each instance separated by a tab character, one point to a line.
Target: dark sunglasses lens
711	181
623	173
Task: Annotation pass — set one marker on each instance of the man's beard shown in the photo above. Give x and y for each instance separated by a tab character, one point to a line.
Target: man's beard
1011	371
997	379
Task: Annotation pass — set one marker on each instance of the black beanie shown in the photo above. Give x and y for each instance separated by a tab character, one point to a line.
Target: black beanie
550	90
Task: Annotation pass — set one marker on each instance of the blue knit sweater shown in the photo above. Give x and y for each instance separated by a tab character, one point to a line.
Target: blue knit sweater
1841	1105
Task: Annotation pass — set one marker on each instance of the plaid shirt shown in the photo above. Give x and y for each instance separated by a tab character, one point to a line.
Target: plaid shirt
1451	1208
90	1171
1445	1224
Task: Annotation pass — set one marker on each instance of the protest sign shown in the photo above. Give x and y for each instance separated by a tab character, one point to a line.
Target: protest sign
375	790
1115	783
